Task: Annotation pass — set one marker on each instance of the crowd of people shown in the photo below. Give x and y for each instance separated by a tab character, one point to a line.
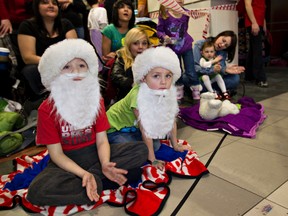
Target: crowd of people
59	60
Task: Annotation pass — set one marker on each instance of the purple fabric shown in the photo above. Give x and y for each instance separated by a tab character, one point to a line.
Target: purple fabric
96	39
177	29
243	124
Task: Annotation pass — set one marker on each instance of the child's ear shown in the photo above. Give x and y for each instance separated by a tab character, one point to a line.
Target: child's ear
143	80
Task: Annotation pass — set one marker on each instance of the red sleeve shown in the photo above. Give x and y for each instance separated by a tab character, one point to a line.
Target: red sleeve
47	132
102	123
3	10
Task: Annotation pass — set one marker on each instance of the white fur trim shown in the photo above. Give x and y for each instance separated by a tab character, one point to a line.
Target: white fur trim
58	55
156	57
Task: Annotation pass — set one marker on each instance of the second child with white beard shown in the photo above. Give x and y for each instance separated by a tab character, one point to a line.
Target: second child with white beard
149	110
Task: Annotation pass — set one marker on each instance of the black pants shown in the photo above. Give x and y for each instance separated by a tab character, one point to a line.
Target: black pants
254	61
56	187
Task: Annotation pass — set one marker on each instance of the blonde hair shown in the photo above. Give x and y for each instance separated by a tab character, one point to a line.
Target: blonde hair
131	37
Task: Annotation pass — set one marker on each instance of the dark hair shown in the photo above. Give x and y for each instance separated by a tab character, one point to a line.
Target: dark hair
39	20
206	44
92	2
231	49
115	16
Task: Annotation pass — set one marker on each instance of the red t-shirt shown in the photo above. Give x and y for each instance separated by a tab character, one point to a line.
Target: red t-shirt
259	8
50	130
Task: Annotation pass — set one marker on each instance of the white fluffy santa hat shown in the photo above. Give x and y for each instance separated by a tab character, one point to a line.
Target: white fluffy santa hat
58	55
156	57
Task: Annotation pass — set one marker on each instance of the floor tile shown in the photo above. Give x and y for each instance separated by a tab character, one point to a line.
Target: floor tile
271	138
268	208
280	196
254	169
203	142
214	196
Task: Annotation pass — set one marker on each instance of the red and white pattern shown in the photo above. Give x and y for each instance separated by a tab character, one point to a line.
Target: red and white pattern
153	190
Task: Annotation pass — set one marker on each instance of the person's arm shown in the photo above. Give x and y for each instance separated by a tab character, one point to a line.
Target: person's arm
27	47
108	168
71	34
106	49
65	163
161	30
173	140
65	3
249	9
142	4
6	26
205	64
103	19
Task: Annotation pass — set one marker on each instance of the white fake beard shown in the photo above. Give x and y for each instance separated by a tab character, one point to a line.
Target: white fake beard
157	110
76	102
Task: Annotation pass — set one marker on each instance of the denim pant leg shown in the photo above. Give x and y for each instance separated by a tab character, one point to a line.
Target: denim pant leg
189	77
118	137
122	137
231	81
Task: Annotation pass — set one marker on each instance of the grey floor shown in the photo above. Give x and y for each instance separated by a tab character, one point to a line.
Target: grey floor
247	176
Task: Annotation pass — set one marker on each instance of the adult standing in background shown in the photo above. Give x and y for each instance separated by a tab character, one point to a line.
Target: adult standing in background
256	27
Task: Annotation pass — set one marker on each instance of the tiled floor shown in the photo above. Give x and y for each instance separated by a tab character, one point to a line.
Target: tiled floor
247	176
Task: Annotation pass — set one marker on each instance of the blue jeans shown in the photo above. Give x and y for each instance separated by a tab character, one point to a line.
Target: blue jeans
80	32
189	77
118	137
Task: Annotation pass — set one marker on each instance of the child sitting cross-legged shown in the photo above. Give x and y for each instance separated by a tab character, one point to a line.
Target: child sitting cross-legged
149	110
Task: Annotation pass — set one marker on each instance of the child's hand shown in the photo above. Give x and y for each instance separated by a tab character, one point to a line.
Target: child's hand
114	174
109	56
158	164
89	182
218	58
181	148
217	68
167	40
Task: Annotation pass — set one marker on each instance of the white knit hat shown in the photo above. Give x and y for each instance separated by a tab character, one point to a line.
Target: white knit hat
156	57
58	55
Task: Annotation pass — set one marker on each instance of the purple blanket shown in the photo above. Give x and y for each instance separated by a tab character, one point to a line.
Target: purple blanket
243	124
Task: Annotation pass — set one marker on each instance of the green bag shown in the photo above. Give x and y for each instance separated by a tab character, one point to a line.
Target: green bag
9	142
10	121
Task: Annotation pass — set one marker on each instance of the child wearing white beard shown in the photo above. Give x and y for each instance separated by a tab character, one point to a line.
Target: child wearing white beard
149	110
72	123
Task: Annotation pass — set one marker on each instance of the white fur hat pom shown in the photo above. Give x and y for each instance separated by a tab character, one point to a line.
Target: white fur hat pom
58	55
156	57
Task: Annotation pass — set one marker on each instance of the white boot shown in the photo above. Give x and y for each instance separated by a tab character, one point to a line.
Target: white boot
196	89
180	92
